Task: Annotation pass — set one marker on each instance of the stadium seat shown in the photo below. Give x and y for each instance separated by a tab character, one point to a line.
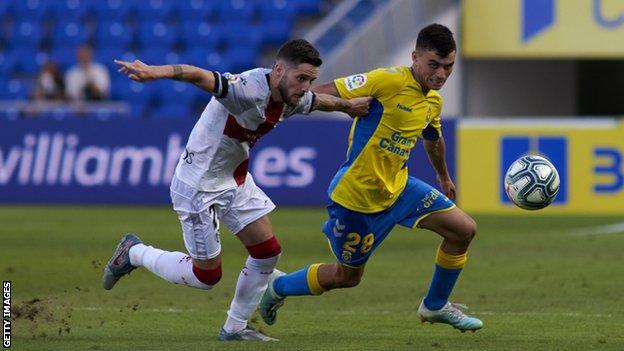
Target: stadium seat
113	33
201	34
276	9
153	10
276	31
307	7
240	58
65	57
5	8
112	10
25	34
361	11
242	33
32	10
331	39
240	10
75	10
16	89
195	10
106	54
138	95
158	34
153	55
8	63
68	34
208	59
30	62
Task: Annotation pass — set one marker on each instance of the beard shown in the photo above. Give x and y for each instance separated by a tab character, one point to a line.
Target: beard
283	91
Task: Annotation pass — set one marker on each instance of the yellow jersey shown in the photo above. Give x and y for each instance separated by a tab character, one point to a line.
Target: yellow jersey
375	172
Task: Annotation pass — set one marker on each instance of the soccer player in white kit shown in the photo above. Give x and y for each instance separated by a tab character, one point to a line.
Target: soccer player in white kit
211	181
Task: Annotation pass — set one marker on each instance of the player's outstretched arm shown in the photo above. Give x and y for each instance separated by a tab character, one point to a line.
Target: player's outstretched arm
435	151
141	72
327	88
353	107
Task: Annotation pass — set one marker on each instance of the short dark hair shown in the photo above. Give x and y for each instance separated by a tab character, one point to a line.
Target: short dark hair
299	51
436	37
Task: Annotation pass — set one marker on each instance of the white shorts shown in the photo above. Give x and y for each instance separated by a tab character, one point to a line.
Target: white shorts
200	212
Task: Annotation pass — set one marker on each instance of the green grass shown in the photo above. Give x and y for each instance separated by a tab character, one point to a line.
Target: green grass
535	285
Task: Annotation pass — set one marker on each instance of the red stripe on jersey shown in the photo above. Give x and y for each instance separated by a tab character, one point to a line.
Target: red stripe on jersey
232	129
272	114
240	173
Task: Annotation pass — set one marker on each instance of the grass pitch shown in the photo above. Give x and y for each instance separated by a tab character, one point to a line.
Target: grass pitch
537	282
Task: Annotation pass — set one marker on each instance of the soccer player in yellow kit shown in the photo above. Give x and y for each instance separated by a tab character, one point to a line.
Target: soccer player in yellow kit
372	191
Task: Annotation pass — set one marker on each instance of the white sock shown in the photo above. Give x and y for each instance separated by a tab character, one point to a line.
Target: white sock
252	282
175	267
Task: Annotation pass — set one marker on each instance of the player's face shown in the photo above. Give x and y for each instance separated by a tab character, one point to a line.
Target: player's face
430	69
296	81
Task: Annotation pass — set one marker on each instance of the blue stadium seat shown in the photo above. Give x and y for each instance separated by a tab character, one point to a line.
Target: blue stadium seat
201	34
153	55
241	58
242	33
33	10
8	64
153	10
158	34
207	59
30	62
361	11
195	10
175	99
25	33
173	57
138	95
276	9
5	8
242	10
113	33
112	10
276	31
66	10
69	34
106	54
65	57
307	7
331	39
16	89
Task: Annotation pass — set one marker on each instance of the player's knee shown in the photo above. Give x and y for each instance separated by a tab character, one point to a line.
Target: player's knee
209	277
468	230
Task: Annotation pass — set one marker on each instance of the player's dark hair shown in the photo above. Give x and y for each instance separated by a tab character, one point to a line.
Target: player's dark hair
436	37
299	51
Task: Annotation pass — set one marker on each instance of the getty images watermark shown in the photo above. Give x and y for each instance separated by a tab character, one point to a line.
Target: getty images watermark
6	314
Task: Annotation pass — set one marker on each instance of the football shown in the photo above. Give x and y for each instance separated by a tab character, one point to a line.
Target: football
532	182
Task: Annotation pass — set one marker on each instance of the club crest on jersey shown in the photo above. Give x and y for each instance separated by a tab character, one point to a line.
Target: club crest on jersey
355	81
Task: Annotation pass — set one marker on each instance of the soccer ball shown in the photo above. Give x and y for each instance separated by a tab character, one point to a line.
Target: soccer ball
532	182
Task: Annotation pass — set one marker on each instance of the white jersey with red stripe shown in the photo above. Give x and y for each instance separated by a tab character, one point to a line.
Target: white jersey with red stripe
242	110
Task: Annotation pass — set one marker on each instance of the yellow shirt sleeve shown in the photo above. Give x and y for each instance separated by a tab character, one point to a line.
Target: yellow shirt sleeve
378	83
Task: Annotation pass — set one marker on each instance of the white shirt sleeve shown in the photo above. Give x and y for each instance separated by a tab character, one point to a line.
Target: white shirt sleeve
238	93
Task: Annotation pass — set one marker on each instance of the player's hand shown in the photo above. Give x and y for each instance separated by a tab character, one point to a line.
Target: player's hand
138	71
447	186
359	106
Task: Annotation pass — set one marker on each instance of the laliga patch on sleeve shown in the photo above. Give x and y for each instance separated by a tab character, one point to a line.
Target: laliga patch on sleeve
355	81
231	78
